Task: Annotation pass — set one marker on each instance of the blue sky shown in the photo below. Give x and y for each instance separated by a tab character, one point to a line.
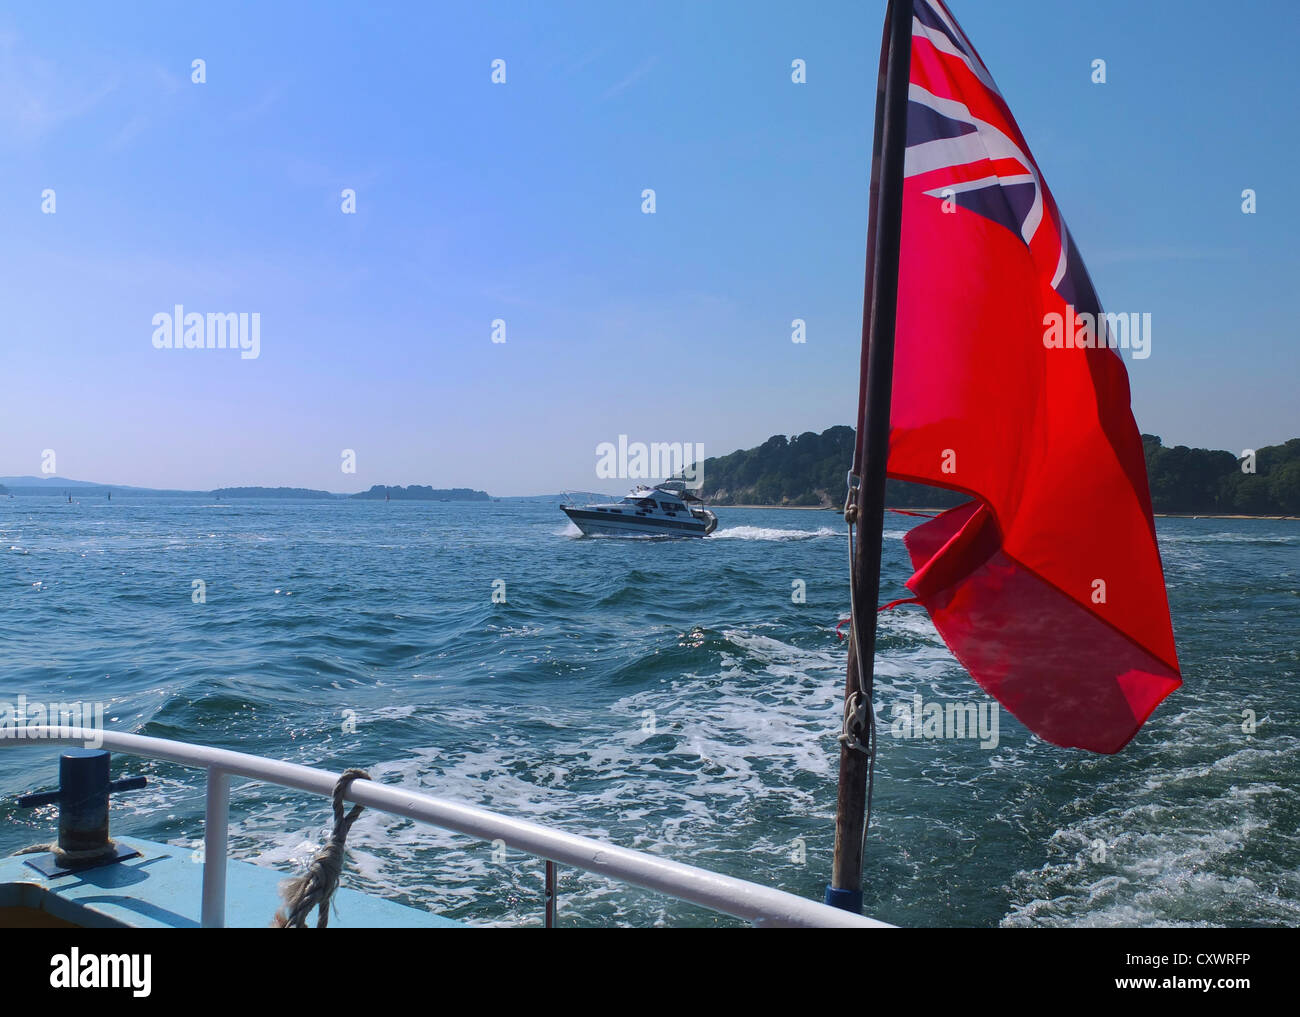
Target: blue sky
522	202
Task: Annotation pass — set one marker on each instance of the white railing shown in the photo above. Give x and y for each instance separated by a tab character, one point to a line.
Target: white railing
760	905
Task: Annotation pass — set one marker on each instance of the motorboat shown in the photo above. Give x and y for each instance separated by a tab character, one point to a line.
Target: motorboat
666	510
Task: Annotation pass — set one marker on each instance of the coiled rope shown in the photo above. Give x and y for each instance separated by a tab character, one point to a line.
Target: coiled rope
316	886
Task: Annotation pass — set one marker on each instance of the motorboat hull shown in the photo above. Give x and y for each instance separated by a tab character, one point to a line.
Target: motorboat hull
593	522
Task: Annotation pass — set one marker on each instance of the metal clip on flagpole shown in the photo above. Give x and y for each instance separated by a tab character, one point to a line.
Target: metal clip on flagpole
853	482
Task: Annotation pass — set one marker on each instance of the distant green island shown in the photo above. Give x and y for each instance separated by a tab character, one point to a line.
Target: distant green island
272	492
63	486
416	492
809	470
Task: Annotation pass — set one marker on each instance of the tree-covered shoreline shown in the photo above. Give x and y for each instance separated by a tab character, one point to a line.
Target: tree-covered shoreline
809	470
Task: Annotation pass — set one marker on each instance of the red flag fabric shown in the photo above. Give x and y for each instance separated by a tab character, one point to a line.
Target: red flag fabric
1048	586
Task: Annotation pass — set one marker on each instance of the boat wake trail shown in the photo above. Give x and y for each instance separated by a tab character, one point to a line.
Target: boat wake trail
770	533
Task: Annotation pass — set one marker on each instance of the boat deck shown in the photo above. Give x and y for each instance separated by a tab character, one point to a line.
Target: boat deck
162	888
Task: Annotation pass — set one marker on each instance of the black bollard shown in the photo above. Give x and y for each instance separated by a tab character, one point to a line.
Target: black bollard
82	798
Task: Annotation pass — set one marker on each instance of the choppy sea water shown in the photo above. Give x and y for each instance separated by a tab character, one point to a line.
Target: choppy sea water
666	695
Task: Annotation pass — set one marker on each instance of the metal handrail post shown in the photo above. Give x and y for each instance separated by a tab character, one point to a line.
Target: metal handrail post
216	829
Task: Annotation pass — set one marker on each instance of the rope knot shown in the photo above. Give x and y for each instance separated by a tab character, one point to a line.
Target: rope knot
316	886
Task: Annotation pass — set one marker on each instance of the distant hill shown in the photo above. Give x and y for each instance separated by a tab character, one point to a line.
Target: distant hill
26	486
50	482
416	492
809	469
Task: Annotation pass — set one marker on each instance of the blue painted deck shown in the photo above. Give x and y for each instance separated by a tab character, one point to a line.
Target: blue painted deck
162	888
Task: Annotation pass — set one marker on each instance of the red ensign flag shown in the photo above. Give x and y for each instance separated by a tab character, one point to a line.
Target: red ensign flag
1048	586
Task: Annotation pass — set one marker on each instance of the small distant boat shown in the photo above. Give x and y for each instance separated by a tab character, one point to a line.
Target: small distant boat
664	511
